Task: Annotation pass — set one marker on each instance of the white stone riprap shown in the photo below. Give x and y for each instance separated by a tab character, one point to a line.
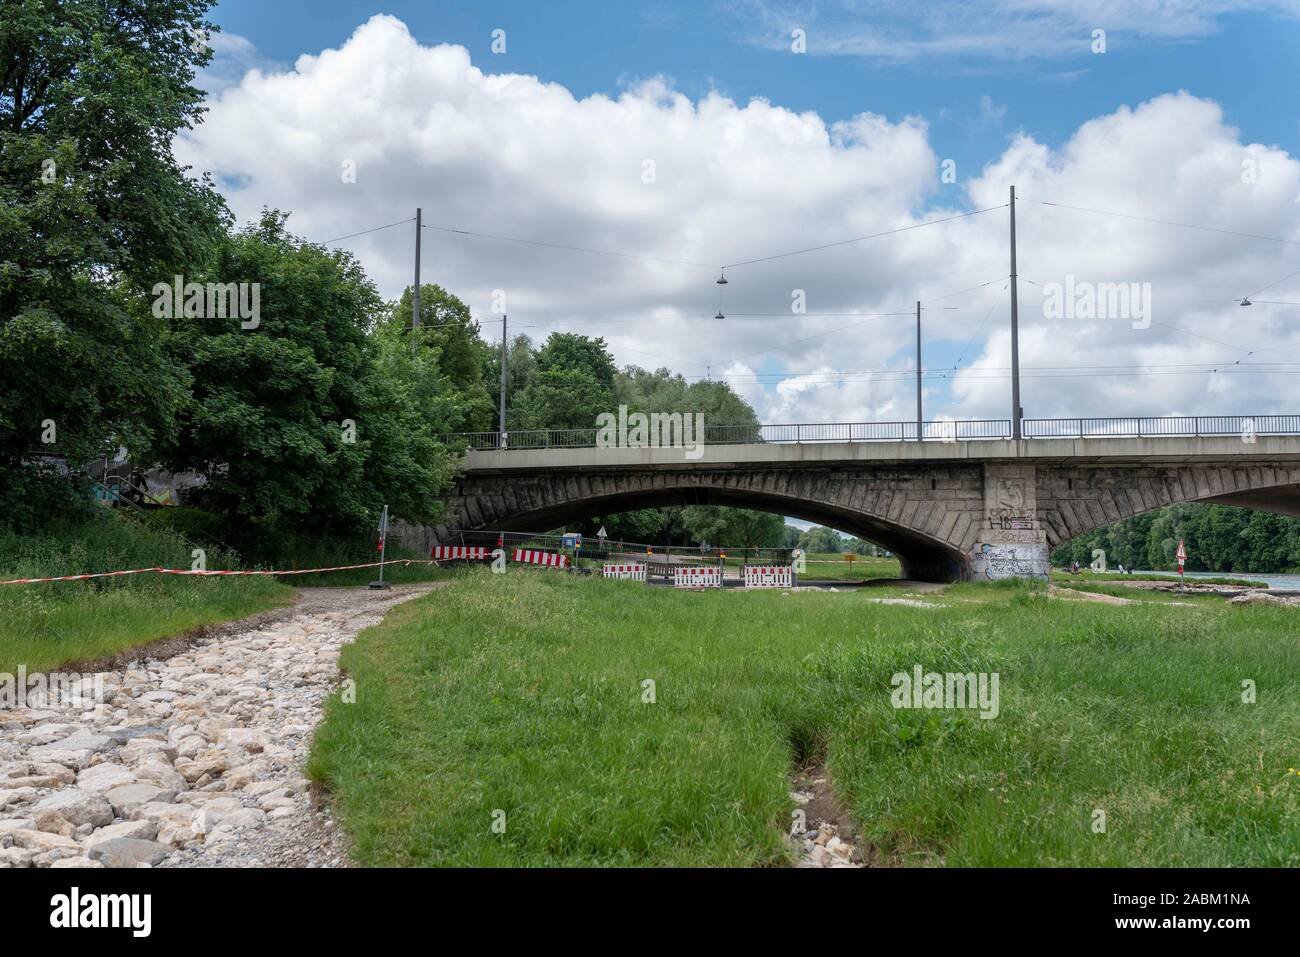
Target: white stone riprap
196	760
819	831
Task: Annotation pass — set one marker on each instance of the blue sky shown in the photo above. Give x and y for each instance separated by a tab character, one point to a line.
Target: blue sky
1249	62
762	150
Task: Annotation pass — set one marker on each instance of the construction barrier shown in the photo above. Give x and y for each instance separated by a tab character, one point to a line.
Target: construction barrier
453	552
531	556
634	571
768	576
697	576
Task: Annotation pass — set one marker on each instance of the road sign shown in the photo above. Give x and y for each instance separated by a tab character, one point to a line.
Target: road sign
1182	554
571	540
602	534
850	557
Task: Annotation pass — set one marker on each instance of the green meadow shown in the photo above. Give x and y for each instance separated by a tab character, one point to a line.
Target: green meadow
608	723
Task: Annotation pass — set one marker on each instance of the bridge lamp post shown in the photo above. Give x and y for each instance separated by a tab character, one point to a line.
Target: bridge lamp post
1016	411
415	290
920	434
505	352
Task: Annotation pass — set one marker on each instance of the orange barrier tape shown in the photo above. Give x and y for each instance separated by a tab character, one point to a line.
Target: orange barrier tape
186	571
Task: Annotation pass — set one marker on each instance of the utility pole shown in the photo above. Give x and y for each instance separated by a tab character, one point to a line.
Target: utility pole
1015	330
415	294
920	434
505	352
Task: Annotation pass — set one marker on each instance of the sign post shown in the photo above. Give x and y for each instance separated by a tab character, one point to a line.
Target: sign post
1182	560
383	535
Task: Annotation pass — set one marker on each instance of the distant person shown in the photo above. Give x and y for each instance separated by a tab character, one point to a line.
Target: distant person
1121	568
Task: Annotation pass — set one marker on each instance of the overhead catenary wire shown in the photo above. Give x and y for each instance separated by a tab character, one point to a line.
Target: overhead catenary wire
927	303
859	239
565	246
980	328
866	317
375	229
688	262
1162	222
980	373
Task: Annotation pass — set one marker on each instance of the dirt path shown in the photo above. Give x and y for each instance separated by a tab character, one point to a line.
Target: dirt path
1070	594
192	760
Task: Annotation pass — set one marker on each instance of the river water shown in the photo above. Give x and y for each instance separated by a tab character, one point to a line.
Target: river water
1287	582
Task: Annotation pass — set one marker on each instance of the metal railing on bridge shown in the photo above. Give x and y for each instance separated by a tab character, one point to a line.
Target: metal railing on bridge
1158	426
937	430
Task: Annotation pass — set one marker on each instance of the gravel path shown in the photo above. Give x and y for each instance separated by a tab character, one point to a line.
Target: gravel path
195	760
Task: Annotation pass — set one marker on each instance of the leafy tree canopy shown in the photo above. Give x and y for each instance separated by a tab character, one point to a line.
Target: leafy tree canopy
93	211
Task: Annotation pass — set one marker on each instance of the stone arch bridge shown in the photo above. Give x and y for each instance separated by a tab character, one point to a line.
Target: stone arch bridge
949	510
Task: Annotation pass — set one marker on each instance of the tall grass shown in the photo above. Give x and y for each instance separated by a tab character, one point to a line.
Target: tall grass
525	694
45	625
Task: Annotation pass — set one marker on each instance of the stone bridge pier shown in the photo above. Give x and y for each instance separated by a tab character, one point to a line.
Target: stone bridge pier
950	511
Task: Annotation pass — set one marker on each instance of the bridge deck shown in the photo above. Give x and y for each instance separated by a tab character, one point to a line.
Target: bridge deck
1110	451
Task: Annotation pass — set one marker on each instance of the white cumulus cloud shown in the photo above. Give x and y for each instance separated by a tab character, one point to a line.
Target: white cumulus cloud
698	184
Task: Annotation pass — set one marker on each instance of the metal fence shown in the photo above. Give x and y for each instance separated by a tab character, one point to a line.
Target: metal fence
937	430
1157	426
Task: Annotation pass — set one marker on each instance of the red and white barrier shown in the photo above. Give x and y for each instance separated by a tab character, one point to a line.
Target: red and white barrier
697	576
531	556
454	552
768	576
633	571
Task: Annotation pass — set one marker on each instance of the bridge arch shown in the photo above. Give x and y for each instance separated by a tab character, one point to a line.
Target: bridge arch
950	511
1076	499
897	509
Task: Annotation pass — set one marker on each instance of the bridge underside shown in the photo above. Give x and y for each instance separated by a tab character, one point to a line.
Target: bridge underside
1284	500
922	558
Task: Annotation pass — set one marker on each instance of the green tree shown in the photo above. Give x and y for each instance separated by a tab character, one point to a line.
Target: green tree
820	539
733	527
454	355
297	423
96	210
446	324
574	383
521	369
